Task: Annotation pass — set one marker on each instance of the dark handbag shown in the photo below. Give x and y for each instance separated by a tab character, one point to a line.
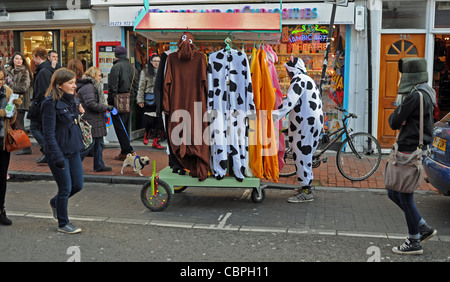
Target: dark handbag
122	101
16	139
149	99
403	172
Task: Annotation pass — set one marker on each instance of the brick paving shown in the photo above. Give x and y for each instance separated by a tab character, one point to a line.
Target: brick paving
326	174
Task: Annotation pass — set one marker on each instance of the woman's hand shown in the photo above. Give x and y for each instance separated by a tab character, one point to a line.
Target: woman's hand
81	109
141	105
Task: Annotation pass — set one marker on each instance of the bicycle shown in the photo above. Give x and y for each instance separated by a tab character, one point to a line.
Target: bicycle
357	158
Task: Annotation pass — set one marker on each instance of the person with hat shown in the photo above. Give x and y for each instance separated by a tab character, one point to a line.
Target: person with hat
413	79
123	78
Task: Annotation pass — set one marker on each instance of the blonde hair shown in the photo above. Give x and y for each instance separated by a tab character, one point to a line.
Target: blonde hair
60	76
92	71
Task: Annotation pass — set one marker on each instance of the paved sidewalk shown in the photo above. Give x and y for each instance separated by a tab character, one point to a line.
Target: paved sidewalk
25	168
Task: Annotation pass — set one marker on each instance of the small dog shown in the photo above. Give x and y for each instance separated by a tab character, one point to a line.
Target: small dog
136	162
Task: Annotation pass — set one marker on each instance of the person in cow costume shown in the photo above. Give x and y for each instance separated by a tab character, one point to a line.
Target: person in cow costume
304	106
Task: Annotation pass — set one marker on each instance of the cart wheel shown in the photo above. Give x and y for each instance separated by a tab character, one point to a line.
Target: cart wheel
160	198
257	197
179	189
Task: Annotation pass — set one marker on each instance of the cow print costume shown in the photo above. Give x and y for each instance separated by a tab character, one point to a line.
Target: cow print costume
305	122
230	101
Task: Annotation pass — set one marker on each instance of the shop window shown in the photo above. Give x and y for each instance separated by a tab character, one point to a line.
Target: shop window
77	44
30	40
6	47
442	15
441	77
404	14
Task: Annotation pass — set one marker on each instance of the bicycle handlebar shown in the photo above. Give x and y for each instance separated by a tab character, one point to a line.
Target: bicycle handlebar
350	115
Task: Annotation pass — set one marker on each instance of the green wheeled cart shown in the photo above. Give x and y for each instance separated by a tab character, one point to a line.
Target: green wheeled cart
157	192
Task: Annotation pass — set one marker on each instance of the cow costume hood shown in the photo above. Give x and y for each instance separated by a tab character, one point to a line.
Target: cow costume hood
295	66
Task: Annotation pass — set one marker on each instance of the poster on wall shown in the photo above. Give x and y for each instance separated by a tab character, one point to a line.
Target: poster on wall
105	59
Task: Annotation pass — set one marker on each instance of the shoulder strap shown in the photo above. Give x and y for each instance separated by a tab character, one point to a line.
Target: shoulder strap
421	121
132	80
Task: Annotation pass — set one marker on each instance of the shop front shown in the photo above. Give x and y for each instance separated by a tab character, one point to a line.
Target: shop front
410	29
304	34
52	26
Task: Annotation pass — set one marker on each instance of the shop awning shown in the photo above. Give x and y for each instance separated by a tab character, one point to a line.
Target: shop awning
243	26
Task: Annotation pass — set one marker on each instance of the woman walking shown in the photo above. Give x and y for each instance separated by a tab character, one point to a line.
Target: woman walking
5	94
63	142
152	123
20	79
90	94
406	116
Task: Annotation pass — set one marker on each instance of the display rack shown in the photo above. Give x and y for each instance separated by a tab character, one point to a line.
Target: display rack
168	27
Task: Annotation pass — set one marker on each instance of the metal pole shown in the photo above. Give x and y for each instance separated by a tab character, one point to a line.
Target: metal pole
325	60
369	72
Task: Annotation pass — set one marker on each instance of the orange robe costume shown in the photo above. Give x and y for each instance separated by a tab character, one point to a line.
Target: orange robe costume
263	155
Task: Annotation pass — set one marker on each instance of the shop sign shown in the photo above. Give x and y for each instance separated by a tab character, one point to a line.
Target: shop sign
292	13
308	33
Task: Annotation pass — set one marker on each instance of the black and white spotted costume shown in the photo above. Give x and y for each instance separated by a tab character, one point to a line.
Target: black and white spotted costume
230	100
305	122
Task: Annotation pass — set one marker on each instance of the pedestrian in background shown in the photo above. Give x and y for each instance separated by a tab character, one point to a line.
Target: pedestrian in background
76	66
152	123
5	94
123	78
90	93
63	143
20	79
52	58
414	78
42	78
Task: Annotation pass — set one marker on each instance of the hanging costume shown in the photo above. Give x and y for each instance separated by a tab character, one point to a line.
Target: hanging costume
159	94
305	122
263	146
272	58
230	102
184	101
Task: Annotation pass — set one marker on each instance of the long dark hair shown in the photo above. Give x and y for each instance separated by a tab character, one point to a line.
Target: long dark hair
150	68
24	63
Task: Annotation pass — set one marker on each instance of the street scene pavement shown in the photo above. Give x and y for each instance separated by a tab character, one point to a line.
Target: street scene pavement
343	223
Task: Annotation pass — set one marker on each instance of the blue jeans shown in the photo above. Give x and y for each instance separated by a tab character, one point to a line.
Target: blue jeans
70	181
97	152
406	202
36	131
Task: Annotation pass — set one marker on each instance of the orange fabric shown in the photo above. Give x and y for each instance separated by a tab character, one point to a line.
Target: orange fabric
255	147
263	158
270	153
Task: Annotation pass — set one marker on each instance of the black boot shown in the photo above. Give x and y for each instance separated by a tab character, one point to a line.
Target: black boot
3	219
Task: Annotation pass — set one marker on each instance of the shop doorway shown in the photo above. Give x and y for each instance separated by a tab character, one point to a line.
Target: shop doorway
441	79
30	40
393	48
77	44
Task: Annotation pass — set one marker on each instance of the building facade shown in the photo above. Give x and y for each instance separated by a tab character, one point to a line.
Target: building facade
369	37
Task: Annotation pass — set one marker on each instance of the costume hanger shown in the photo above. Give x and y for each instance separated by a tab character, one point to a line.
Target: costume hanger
228	42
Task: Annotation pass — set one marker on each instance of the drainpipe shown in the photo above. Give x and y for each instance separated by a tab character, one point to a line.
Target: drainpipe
369	72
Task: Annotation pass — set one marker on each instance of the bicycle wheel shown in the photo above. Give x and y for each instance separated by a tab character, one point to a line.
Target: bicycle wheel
160	199
359	156
289	164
